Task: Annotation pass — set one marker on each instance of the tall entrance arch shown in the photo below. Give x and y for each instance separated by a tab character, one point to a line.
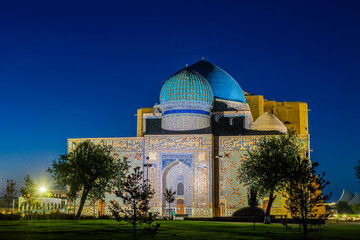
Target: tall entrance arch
178	177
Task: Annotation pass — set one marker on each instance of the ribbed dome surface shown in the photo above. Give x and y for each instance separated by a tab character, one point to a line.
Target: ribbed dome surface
186	85
355	199
223	85
268	122
346	196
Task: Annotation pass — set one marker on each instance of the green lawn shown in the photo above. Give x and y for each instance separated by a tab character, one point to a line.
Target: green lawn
109	229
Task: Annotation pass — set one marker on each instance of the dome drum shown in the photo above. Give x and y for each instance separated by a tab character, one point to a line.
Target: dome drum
185	122
185	116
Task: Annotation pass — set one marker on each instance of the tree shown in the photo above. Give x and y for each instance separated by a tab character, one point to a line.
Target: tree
169	196
89	168
343	207
28	191
94	197
71	196
304	196
10	191
357	170
136	195
268	166
253	202
356	208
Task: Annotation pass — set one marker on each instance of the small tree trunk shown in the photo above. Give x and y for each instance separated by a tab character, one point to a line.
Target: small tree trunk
134	221
134	230
305	229
267	219
82	203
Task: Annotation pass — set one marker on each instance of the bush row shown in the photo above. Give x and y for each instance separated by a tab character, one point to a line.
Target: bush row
47	216
12	216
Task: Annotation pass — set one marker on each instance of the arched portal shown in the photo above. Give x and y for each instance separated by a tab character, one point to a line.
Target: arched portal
178	177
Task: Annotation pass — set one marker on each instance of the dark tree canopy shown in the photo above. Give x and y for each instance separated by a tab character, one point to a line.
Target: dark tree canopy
89	170
356	208
28	190
343	207
304	196
268	165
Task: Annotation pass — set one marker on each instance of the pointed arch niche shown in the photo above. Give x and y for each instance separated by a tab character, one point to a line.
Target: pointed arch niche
178	175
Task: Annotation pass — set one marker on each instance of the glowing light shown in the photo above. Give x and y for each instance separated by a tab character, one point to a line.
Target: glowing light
42	189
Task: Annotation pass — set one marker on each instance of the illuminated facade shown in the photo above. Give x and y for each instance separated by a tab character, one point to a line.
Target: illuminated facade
198	135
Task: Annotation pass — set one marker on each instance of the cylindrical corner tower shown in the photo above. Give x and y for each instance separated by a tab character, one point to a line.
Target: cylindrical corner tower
186	99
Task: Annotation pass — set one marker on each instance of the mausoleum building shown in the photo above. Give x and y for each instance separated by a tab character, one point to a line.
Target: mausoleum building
196	138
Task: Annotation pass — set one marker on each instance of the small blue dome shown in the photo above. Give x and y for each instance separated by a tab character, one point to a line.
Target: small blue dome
222	84
186	85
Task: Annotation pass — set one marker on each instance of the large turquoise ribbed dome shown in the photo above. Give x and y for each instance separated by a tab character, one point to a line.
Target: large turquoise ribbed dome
223	85
186	85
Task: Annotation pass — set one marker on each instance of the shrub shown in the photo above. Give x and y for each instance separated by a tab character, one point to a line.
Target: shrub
249	211
356	208
343	207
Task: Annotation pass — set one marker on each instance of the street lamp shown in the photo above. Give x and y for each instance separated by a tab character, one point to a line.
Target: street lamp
147	165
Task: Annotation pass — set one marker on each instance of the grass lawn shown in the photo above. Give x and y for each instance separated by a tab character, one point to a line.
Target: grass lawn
110	229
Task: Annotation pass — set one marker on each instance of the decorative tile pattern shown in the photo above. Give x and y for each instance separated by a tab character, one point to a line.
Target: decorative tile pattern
187	159
185	115
239	143
186	85
190	151
229	185
178	142
119	144
234	151
202	212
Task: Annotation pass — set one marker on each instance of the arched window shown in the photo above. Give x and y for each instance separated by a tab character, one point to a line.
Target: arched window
180	189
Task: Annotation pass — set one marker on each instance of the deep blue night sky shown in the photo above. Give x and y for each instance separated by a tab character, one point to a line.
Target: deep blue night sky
82	68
